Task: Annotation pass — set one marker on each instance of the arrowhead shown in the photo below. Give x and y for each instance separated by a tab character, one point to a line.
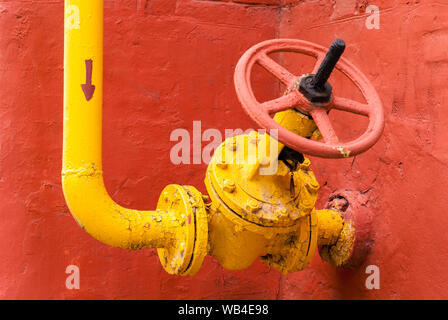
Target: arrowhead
88	90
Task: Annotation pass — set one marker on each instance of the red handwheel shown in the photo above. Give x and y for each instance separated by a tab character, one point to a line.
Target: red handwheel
310	94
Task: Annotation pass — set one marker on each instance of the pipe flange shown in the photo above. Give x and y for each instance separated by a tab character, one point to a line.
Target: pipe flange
185	253
355	240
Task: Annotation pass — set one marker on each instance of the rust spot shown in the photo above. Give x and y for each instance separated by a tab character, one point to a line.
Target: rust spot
189	219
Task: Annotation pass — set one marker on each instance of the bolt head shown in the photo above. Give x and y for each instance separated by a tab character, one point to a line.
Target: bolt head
281	212
229	185
306	203
232	145
253	205
220	163
312	186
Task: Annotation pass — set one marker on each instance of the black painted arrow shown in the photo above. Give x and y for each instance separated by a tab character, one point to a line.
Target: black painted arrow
88	88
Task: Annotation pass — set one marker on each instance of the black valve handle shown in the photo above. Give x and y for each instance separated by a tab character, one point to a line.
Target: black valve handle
315	86
326	67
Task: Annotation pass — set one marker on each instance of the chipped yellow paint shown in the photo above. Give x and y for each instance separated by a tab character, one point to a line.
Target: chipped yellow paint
345	153
339	253
187	251
337	239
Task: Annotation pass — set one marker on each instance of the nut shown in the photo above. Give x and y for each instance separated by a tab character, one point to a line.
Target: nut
232	145
312	186
253	205
281	212
229	185
221	163
306	203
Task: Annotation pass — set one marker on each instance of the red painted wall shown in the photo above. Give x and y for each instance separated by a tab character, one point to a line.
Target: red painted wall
168	63
405	173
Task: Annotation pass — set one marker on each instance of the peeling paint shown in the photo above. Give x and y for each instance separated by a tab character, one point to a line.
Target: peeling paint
345	153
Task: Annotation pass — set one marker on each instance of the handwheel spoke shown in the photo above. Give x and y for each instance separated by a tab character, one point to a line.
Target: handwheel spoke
322	121
351	106
276	70
283	103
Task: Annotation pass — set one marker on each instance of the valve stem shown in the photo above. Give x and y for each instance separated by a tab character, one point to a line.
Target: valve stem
327	66
315	87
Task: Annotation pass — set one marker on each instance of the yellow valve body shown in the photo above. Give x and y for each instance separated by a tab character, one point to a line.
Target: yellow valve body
268	215
259	216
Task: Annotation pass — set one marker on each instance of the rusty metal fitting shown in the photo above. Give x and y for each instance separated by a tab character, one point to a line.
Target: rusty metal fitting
338	203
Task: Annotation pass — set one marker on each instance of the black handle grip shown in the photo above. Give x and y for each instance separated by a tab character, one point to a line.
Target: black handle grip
328	64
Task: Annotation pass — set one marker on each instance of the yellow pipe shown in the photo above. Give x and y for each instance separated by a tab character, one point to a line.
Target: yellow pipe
82	179
330	225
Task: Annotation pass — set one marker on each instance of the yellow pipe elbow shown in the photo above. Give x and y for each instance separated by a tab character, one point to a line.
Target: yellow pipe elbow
108	222
82	180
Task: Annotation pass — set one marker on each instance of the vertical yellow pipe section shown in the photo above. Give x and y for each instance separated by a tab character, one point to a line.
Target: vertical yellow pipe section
82	179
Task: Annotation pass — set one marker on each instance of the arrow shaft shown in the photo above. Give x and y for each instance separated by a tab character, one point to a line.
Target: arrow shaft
89	70
88	88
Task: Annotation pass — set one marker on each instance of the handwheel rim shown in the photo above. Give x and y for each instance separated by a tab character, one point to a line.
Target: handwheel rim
251	105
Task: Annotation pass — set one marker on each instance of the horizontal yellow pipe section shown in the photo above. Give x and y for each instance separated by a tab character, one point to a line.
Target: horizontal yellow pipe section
82	178
330	224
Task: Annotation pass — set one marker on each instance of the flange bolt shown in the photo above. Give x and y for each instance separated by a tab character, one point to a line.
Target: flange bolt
229	186
253	205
